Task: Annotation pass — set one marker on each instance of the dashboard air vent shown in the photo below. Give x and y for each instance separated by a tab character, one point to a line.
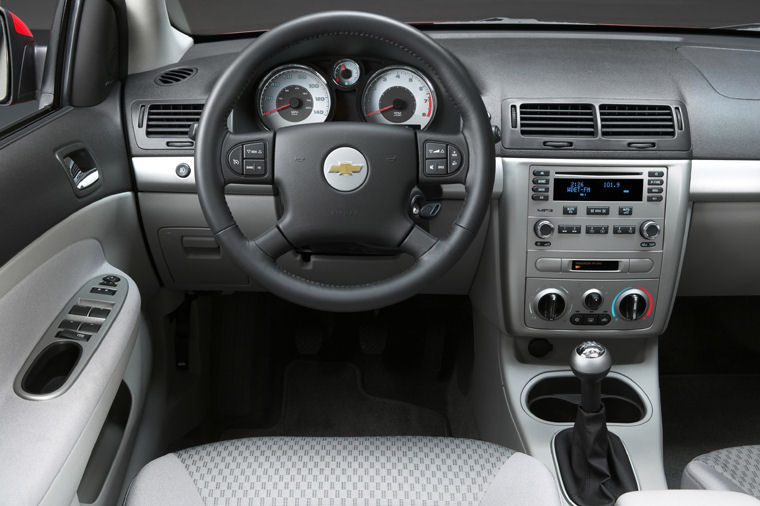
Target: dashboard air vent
627	120
171	120
174	76
557	120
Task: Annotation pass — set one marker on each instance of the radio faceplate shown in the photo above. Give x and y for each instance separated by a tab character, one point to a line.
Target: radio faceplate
593	230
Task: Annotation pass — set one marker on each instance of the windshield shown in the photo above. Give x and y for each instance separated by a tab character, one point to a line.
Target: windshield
204	17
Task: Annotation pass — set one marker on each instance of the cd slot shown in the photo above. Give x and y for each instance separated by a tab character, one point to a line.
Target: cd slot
596	174
595	265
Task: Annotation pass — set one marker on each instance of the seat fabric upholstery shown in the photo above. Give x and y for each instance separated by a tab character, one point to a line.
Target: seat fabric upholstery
366	471
736	469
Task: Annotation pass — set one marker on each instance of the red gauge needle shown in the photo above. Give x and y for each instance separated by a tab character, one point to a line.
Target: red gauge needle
277	109
381	110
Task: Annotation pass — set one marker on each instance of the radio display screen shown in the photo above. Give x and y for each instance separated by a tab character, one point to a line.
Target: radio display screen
598	189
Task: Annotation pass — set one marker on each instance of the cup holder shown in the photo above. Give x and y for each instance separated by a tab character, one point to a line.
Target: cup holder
556	399
51	368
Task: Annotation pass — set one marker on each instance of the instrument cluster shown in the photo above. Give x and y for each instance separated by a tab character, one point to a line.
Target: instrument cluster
343	90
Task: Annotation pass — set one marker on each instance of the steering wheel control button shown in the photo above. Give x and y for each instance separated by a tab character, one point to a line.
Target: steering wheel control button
435	150
455	159
254	167
235	159
435	167
345	169
182	170
570	210
255	150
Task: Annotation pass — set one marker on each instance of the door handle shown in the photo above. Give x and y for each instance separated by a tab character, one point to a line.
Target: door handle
80	167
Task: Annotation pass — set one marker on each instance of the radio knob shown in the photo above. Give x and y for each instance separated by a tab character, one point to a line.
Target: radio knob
632	306
649	229
543	229
550	305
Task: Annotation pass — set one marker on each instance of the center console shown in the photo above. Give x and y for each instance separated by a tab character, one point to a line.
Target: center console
594	246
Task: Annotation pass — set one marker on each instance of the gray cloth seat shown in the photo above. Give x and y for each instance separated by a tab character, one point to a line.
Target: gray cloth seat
343	471
736	469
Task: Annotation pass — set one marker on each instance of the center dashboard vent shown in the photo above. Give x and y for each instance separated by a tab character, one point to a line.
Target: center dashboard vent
557	120
171	120
630	120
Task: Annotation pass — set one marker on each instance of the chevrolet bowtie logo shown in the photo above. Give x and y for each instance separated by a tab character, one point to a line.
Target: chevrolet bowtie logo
345	169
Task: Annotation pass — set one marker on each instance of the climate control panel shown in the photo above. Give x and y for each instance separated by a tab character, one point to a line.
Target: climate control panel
586	304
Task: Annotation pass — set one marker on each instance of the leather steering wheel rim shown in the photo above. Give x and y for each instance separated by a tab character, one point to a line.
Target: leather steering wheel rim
436	256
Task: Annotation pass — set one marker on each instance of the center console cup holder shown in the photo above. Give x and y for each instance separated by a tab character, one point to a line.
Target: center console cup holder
51	368
555	399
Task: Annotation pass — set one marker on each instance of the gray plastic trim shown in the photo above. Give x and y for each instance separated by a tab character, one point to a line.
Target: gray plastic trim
153	41
725	181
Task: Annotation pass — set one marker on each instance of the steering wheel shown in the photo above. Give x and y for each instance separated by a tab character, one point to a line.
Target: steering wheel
320	207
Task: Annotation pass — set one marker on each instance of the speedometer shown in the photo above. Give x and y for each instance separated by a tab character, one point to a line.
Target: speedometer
399	96
292	95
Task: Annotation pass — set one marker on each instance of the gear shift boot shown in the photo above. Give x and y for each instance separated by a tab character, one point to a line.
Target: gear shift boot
593	464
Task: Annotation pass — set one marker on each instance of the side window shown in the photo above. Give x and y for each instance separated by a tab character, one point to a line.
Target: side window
24	17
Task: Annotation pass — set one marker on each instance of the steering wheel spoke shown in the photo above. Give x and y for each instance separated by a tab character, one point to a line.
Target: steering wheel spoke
418	242
247	157
443	157
273	242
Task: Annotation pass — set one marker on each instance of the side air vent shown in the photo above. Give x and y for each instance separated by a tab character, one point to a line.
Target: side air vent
630	120
174	76
557	120
171	120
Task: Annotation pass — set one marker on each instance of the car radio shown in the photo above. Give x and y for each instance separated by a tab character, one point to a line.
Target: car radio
594	246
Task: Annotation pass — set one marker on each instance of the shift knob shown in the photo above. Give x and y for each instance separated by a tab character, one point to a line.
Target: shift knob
590	362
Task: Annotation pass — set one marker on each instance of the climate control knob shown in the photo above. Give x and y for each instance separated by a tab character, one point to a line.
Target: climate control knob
632	305
649	230
543	229
593	299
550	304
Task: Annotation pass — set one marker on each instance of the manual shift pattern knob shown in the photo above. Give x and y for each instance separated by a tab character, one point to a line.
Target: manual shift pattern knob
591	362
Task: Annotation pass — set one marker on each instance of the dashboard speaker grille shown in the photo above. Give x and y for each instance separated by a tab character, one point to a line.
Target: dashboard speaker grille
557	120
171	120
175	76
628	120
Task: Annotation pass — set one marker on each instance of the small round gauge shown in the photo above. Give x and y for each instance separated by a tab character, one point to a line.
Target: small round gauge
346	73
292	95
399	96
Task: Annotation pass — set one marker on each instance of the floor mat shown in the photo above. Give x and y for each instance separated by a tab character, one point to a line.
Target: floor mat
706	412
327	399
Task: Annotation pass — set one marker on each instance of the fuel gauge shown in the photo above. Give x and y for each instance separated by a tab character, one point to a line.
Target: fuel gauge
346	73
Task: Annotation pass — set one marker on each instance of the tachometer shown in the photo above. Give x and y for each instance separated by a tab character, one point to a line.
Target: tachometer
399	96
291	95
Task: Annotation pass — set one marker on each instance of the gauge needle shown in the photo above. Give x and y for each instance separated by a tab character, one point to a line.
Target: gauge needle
381	110
277	109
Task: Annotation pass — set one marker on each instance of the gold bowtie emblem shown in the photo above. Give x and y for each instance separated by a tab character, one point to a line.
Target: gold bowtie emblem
345	169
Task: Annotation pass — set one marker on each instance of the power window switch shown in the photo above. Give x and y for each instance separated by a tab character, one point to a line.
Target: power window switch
80	310
73	334
99	312
69	325
90	327
102	291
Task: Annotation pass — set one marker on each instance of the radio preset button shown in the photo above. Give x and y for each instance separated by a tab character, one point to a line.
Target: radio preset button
541	189
597	211
656	173
541	173
569	229
597	229
654	198
625	211
540	196
570	210
623	229
540	180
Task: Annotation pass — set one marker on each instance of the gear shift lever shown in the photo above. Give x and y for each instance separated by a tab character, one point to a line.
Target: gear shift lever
590	363
593	464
